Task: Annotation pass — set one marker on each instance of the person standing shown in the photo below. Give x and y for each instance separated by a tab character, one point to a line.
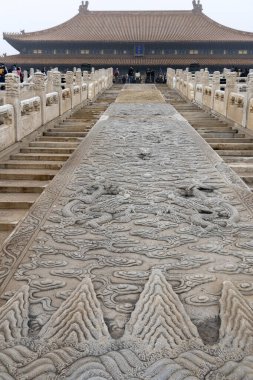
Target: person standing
116	75
131	74
3	72
20	74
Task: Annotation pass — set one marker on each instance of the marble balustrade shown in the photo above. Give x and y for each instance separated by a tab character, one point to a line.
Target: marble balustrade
225	94
41	98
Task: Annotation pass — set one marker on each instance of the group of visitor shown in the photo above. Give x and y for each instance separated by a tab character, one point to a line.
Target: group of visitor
14	69
240	72
134	76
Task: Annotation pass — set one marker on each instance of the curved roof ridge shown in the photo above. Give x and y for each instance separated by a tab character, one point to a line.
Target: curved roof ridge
129	26
226	27
53	28
84	14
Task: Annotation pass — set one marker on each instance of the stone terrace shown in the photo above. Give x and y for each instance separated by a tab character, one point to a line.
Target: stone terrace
139	259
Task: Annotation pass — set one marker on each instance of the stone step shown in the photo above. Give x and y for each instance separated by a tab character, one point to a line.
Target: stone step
86	118
196	111
236	153
74	128
185	106
17	200
87	115
196	116
69	123
227	140
3	236
242	168
10	219
81	122
65	134
234	160
225	135
188	110
59	139
22	186
39	157
232	146
39	150
213	126
18	164
208	129
76	120
53	144
248	179
27	174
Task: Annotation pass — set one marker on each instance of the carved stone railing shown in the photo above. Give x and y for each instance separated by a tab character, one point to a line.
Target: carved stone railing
33	105
2	98
7	127
250	114
76	90
6	115
199	88
76	98
199	93
52	106
219	105
235	107
207	90
31	116
84	87
66	94
208	96
30	105
52	98
220	95
223	93
240	84
236	99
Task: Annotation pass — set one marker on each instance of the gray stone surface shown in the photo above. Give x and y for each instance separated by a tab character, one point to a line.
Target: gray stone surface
136	262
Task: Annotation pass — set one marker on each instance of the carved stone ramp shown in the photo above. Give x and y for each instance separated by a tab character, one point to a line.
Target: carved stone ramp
26	171
233	144
136	262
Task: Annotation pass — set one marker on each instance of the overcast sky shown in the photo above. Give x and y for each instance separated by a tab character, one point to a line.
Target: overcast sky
32	15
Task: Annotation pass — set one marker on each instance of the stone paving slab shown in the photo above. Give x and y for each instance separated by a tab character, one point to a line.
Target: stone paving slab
140	94
136	262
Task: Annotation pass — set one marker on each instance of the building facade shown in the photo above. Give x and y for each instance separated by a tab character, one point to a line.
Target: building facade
142	39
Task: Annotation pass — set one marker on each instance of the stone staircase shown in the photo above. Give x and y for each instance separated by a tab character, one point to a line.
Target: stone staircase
233	144
25	173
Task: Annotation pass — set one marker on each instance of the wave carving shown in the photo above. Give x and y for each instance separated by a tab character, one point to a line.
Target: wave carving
14	317
160	341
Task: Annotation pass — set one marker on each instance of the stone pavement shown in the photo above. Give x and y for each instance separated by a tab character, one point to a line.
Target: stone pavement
140	262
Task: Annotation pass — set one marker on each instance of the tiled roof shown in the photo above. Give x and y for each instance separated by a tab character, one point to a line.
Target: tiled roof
136	26
41	60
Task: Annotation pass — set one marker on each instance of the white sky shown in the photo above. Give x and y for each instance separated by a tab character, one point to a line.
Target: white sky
32	15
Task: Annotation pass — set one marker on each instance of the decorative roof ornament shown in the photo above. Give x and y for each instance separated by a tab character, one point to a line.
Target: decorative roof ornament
83	7
197	6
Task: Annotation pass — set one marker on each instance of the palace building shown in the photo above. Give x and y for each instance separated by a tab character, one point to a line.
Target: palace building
157	39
